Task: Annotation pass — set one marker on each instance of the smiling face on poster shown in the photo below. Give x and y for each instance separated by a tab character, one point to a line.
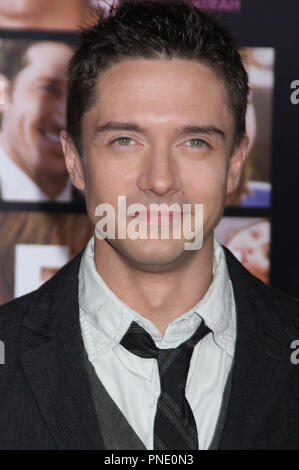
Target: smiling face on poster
33	74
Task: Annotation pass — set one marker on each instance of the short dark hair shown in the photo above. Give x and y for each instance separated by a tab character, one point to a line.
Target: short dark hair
13	56
154	29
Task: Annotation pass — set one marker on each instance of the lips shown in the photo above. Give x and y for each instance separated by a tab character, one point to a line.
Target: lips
159	217
51	139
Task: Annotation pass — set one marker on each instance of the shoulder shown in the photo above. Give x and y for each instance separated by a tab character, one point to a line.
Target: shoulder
37	306
272	305
12	313
288	307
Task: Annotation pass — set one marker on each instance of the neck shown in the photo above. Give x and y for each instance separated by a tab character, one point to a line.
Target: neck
51	185
159	297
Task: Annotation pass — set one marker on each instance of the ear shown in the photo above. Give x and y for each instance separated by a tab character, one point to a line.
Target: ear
235	164
73	161
4	91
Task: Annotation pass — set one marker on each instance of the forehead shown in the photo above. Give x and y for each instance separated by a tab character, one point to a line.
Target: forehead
169	88
48	58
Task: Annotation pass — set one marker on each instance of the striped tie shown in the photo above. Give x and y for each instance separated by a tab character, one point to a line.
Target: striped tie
174	426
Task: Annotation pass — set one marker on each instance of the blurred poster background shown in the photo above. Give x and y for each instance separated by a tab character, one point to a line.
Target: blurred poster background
254	187
35	245
248	238
43	222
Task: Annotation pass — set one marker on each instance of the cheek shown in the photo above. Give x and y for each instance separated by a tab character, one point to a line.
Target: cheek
104	182
207	184
111	176
19	128
33	108
26	118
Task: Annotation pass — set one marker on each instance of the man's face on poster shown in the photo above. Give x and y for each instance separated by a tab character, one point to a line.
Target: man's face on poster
34	109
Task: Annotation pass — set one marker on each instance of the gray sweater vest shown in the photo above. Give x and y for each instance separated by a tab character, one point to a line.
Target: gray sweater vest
115	429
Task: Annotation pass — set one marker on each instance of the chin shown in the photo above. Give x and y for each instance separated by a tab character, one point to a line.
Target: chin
55	167
153	255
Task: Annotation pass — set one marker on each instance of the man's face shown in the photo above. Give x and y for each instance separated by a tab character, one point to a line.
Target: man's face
34	111
160	131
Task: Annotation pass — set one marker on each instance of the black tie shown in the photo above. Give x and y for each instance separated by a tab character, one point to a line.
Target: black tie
174	426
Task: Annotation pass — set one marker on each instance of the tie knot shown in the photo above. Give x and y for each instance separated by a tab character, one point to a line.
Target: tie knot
139	342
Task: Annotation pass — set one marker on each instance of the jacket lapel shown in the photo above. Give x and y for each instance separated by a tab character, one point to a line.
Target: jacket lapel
260	365
53	362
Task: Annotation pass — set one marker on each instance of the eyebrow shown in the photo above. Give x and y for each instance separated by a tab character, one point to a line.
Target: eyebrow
128	126
119	126
56	82
209	130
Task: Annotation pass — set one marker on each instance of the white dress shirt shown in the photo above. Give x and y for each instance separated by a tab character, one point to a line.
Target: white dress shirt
15	185
133	382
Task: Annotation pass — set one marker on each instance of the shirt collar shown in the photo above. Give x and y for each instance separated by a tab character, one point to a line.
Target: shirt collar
110	318
16	185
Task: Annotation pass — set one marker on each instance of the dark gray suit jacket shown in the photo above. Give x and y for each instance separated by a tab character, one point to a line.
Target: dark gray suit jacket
45	395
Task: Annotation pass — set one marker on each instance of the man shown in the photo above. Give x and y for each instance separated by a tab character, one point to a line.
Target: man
33	78
139	343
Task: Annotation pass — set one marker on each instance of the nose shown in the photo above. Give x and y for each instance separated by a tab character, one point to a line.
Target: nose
159	173
59	114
